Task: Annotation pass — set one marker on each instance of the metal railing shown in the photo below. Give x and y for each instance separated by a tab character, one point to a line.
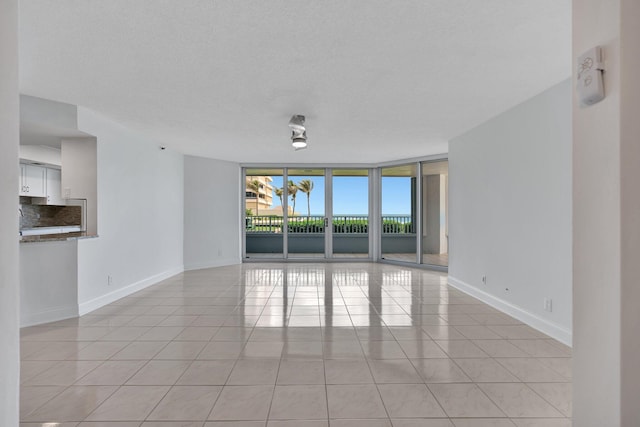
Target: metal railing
306	224
397	224
351	224
342	224
263	224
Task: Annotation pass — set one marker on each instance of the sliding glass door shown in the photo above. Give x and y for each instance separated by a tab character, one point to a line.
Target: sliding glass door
284	213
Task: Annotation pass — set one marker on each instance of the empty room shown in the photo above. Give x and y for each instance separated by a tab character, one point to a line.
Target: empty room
319	213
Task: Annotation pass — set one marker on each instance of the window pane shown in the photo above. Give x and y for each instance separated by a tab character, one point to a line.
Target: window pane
263	213
350	213
399	213
307	214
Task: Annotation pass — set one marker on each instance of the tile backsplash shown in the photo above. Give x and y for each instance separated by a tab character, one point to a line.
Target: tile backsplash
48	216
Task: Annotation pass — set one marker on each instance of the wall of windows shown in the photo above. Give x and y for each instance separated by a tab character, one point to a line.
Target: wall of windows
312	213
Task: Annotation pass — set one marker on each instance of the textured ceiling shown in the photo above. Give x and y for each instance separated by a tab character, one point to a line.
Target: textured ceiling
377	79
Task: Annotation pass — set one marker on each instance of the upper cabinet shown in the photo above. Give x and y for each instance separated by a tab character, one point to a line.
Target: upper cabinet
33	180
41	182
54	187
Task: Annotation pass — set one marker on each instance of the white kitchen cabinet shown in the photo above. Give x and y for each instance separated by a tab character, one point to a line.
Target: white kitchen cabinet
33	180
54	187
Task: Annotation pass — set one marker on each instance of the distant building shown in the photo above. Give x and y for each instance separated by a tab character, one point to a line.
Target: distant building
264	196
259	203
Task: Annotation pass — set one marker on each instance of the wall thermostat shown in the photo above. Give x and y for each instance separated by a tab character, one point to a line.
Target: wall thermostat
590	86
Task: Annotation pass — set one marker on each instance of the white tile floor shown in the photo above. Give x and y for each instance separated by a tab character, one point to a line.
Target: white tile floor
304	345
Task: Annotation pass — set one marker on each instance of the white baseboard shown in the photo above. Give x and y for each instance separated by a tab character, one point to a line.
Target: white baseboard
101	301
552	329
47	316
212	264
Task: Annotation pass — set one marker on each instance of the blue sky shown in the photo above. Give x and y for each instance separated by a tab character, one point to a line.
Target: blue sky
350	195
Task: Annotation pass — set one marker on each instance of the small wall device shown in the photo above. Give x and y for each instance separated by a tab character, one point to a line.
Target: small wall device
590	87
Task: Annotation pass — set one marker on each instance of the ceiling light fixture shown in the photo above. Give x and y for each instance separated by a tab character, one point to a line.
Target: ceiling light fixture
298	132
299	144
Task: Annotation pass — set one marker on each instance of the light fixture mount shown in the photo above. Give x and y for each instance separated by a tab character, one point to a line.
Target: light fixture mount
298	132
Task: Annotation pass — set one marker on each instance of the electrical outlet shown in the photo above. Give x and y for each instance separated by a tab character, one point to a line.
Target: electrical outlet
109	280
548	304
67	193
484	280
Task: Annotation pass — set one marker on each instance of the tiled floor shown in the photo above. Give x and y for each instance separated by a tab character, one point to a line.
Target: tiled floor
297	345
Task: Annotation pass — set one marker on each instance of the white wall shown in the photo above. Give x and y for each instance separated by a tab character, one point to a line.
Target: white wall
79	177
510	211
211	213
140	215
9	137
48	281
606	240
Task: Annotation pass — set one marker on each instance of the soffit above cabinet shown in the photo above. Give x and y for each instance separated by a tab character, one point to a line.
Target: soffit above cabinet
45	123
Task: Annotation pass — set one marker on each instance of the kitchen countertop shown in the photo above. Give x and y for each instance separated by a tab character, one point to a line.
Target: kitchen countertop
57	237
56	229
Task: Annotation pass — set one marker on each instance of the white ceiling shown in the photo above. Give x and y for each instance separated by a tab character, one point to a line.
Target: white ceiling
377	79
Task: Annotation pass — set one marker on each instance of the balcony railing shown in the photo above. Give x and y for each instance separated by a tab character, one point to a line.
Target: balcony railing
314	224
397	224
351	224
263	224
306	224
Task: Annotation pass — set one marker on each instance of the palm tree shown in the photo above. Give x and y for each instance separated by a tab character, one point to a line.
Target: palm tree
279	193
254	186
306	185
292	189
